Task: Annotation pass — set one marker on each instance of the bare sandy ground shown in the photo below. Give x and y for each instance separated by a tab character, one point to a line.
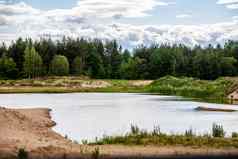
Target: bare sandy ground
31	129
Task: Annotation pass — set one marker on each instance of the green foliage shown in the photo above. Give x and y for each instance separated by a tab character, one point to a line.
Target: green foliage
108	60
156	131
32	63
143	137
77	66
84	142
8	68
59	66
135	130
22	154
112	60
162	62
189	133
94	63
190	87
218	131
128	69
234	135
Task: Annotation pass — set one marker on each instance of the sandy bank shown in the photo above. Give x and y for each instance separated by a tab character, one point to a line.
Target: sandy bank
215	109
31	129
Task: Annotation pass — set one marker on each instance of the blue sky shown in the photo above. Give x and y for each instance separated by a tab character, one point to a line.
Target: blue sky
131	22
202	11
52	4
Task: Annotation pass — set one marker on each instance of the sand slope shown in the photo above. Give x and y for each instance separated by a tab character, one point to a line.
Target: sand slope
29	129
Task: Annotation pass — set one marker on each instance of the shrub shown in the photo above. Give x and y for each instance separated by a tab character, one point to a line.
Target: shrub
234	135
135	130
189	133
218	131
84	142
156	131
22	154
96	153
191	87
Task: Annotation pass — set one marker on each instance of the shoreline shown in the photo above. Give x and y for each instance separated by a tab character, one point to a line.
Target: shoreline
31	129
200	90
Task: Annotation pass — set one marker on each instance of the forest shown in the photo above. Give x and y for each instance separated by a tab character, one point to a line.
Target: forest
26	58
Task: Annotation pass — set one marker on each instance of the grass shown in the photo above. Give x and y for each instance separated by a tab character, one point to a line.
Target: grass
193	88
141	137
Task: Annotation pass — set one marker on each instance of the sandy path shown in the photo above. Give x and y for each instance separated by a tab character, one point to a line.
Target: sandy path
31	129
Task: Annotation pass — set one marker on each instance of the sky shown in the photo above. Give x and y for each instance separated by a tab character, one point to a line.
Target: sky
130	22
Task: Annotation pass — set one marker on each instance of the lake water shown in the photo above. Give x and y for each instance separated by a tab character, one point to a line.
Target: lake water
90	115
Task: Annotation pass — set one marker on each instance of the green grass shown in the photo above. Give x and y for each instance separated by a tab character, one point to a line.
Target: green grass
156	138
194	88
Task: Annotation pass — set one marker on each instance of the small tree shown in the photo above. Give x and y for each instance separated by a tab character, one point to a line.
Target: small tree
77	66
59	66
7	67
32	63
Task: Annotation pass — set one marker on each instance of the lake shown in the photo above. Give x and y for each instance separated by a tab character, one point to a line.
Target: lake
90	115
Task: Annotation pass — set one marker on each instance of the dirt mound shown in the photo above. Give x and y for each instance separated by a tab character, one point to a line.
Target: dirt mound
29	129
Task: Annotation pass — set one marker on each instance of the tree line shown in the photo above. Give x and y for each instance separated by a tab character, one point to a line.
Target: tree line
25	58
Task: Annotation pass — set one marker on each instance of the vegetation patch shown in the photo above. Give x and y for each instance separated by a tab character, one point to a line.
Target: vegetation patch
191	87
142	137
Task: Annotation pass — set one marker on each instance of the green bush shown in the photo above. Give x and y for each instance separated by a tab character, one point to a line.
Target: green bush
189	133
135	130
59	66
190	87
218	131
84	142
22	154
234	135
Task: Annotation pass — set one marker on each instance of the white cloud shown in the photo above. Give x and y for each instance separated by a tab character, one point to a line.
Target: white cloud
235	18
84	20
4	20
116	8
181	16
16	9
226	1
230	4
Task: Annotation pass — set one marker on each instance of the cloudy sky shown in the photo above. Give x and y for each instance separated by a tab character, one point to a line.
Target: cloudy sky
131	22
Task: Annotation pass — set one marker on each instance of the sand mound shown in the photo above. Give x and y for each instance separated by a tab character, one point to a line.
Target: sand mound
29	129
